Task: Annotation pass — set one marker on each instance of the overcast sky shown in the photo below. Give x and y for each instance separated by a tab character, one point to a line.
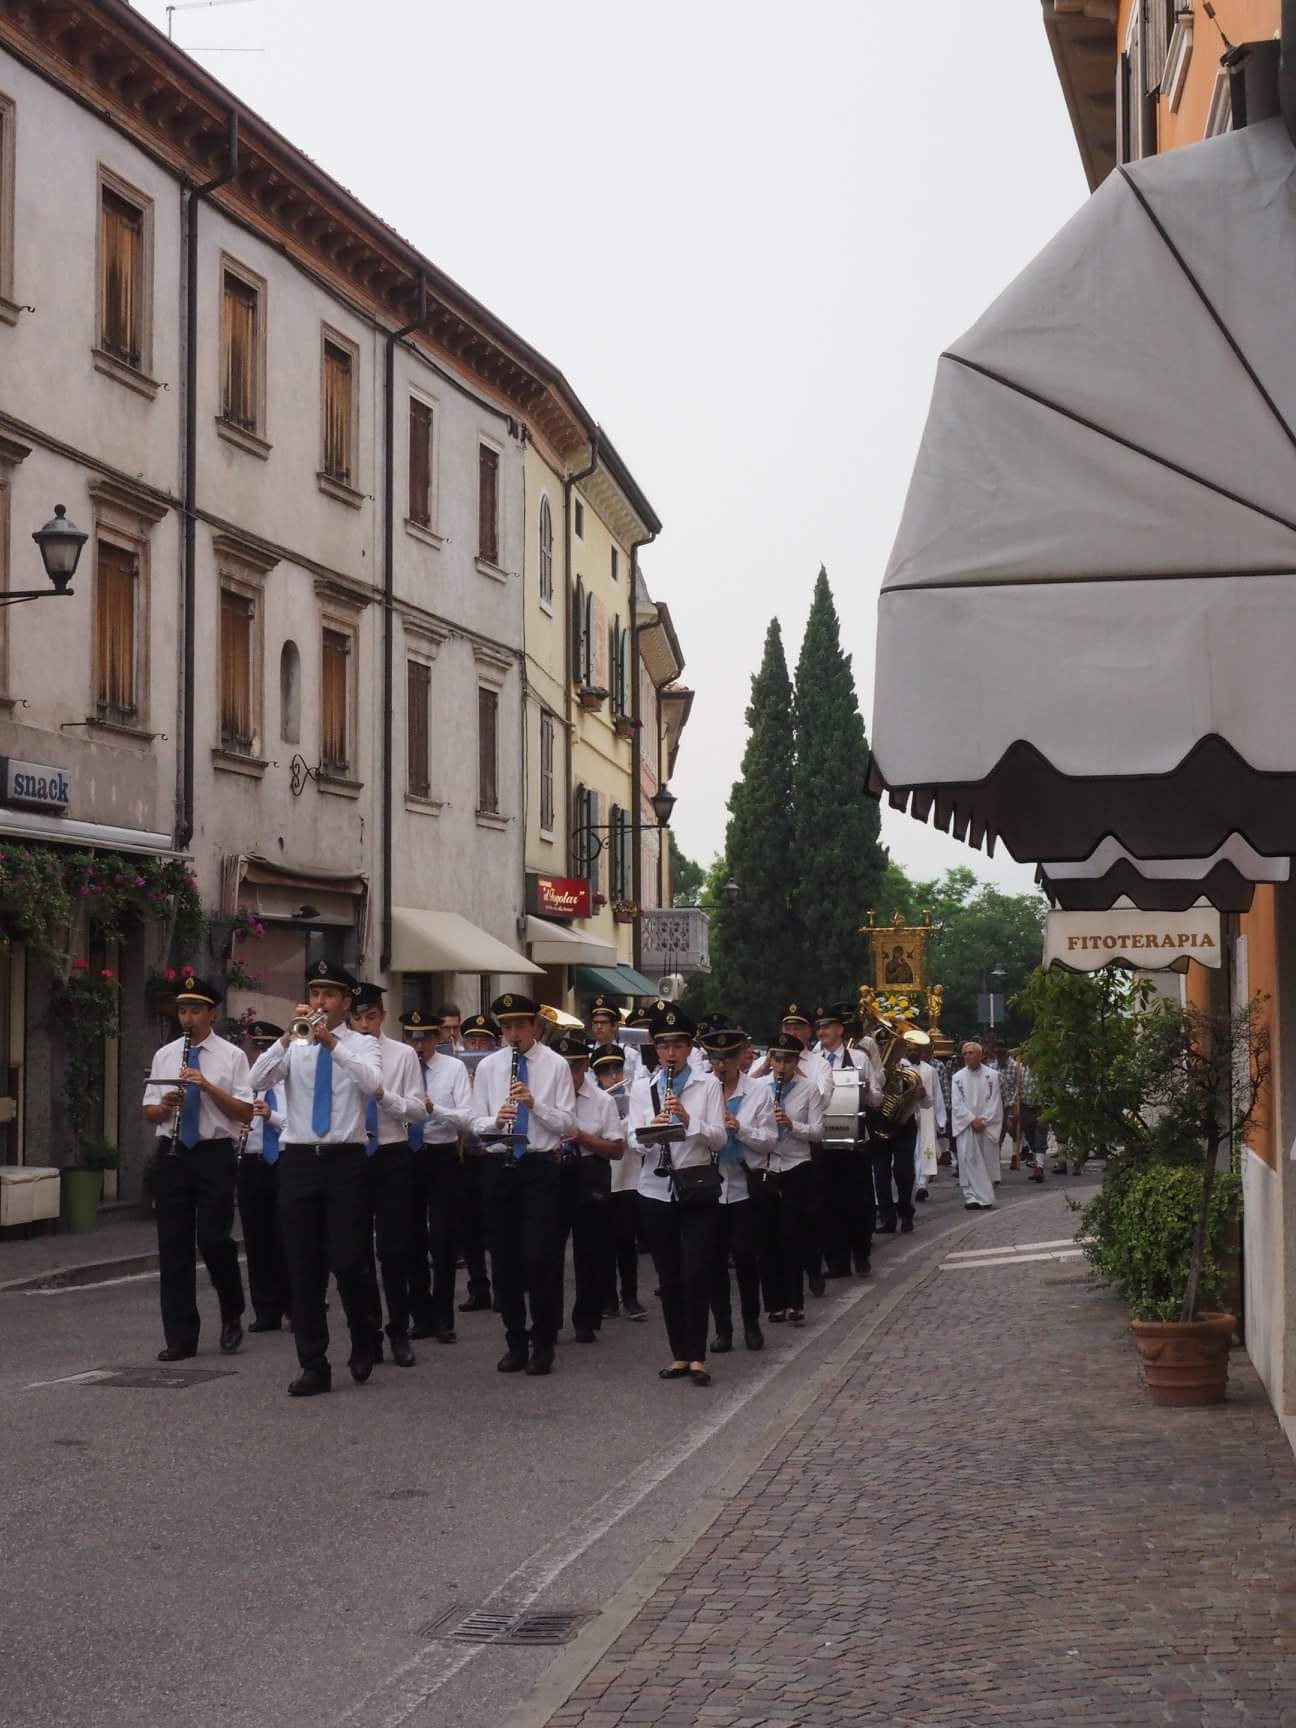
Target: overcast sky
744	231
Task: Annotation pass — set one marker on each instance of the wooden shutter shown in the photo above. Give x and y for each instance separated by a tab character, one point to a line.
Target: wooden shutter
333	702
616	842
488	504
1157	25
587	643
578	633
239	396
122	250
116	581
547	772
418	691
546	552
236	621
1122	110
337	412
488	750
615	563
420	463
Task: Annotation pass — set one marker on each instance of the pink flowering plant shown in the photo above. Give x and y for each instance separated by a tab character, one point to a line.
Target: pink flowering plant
43	889
84	1007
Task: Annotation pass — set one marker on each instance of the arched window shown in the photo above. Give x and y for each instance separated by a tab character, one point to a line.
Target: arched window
290	693
546	553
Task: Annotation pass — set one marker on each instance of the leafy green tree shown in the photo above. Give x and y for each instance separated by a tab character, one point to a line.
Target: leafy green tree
839	861
986	929
687	878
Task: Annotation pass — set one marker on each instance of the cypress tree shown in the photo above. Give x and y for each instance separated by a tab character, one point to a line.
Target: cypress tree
754	943
840	860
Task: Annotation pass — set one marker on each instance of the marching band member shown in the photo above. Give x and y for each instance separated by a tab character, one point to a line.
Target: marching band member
783	1178
680	1204
198	1124
524	1092
605	1023
622	1263
258	1200
396	1109
893	1164
435	1182
323	1174
849	1211
479	1032
750	1132
598	1140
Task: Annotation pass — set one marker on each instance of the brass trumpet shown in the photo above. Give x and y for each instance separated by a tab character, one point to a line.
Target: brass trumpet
302	1030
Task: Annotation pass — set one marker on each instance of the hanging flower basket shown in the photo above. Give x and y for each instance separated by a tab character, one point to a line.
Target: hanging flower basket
624	911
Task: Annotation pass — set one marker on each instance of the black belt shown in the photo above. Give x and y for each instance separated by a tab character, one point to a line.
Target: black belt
179	1146
321	1148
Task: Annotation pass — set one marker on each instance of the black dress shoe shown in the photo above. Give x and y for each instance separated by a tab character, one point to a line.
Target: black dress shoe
906	1226
887	1229
310	1383
231	1337
402	1355
475	1305
863	1269
173	1353
586	1335
445	1335
818	1287
266	1326
512	1362
361	1364
754	1337
423	1331
921	1194
836	1271
721	1343
541	1362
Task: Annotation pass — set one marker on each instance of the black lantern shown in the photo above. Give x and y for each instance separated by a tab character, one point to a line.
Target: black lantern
663	801
60	543
731	891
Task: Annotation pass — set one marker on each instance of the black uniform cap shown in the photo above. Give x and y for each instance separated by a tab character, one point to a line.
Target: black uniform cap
366	996
573	1048
513	1008
481	1024
191	989
325	972
672	1023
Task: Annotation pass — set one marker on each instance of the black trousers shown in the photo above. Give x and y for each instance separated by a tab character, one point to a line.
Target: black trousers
472	1227
850	1208
434	1210
267	1268
391	1196
324	1204
736	1237
623	1245
568	1193
783	1204
893	1160
520	1200
591	1255
816	1247
681	1240
195	1202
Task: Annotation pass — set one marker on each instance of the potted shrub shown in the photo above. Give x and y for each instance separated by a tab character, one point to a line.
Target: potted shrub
83	1184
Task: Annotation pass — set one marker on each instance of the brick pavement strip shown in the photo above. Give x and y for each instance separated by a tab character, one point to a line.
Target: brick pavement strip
983	1523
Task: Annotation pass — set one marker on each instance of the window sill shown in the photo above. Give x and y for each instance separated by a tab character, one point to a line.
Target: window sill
338	787
548	836
486	568
339	489
10	310
130	376
120	729
420	806
491	819
233	762
249	441
420	531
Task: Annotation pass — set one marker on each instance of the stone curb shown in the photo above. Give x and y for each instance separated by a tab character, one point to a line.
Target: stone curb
92	1272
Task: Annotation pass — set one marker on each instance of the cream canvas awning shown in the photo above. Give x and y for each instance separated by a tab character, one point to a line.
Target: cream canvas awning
426	941
1092	587
1226	878
554	945
1146	941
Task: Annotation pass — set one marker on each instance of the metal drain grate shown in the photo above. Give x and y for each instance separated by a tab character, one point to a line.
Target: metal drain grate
160	1379
507	1626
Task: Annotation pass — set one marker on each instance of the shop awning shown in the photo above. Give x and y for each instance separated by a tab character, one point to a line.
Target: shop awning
555	945
1226	878
1088	624
425	941
1128	936
615	981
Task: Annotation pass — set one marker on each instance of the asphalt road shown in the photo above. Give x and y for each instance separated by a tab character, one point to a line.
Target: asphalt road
221	1554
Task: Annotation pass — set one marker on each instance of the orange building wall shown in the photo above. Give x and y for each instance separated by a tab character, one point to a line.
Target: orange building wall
1241	21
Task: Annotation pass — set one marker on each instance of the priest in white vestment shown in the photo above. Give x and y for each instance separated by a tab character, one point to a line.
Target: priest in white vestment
931	1117
976	1108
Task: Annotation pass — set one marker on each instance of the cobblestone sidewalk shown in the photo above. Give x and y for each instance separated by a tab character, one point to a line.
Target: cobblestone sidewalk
985	1524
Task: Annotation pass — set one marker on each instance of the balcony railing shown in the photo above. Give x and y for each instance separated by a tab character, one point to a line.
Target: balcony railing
674	939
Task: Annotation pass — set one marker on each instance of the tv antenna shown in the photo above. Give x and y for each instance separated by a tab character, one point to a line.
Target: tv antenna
205	6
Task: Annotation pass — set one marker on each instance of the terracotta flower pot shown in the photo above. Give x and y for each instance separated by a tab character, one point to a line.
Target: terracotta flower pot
1185	1363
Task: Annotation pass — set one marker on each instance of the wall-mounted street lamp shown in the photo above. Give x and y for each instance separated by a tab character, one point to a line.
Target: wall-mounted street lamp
731	892
60	543
663	802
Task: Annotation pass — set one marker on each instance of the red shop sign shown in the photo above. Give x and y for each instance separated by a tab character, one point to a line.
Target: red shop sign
558	896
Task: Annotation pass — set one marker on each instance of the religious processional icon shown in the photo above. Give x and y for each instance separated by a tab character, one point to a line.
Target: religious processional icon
901	976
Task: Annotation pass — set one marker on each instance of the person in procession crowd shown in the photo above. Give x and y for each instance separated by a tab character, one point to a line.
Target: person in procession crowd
605	1025
848	1210
811	1066
781	1181
199	1108
679	1185
326	1082
434	1180
521	1119
621	1263
395	1110
640	1020
750	1132
893	1154
480	1034
1010	1084
931	1121
977	1121
258	1199
597	1142
451	1029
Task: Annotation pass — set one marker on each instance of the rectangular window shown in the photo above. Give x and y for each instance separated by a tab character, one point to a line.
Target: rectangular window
488	504
488	751
578	519
418	747
546	773
338	406
241	342
420	463
122	287
237	620
616	560
335	756
116	598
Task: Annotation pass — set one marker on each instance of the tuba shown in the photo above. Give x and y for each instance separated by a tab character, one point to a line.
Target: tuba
900	1086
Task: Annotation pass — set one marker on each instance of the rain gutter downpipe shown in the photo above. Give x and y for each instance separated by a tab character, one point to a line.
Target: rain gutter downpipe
185	827
636	752
573	625
389	600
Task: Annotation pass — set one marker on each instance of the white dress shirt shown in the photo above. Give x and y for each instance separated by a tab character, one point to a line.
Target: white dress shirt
752	1106
223	1063
625	1170
705	1135
357	1075
803	1102
255	1144
596	1113
446	1083
402	1091
552	1116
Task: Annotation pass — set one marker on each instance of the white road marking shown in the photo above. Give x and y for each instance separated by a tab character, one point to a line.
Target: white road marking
100	1284
1010	1248
952	1265
86	1379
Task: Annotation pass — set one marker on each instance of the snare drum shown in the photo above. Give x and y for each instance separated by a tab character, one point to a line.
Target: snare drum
842	1112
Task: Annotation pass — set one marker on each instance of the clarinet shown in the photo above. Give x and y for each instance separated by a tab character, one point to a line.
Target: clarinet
246	1129
664	1163
513	1075
185	1049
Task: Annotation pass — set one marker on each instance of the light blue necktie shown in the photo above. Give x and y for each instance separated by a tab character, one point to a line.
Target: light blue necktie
322	1106
269	1133
371	1127
732	1151
416	1128
190	1115
523	1117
